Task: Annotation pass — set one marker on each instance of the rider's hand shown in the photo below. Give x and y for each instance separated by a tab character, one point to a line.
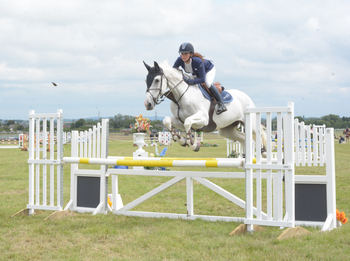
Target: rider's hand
188	80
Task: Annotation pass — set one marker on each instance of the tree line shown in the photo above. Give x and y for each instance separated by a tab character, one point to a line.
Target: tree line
331	121
120	122
117	123
17	125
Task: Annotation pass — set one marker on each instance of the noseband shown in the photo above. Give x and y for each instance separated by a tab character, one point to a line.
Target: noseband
155	100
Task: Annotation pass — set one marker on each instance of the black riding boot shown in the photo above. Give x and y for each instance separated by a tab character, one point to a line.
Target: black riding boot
217	95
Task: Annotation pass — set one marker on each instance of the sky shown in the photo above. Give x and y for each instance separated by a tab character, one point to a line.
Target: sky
275	51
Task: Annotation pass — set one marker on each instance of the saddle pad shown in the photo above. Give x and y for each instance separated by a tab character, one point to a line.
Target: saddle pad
226	97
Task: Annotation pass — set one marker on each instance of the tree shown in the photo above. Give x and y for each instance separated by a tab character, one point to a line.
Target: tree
331	117
346	119
80	123
121	121
300	119
9	122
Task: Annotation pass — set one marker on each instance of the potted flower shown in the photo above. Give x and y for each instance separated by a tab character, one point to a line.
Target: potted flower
142	126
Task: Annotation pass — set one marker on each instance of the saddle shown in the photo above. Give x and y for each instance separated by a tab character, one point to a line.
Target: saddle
216	84
226	97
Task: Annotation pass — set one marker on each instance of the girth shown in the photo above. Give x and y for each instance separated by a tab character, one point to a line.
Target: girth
211	125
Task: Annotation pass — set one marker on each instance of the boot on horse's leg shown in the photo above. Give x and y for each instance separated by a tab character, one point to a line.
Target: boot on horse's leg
191	142
217	95
177	137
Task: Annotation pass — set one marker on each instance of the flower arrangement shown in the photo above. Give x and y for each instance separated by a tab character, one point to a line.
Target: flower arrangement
341	217
142	124
209	144
233	154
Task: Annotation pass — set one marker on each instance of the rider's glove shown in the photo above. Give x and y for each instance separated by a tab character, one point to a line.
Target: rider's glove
188	80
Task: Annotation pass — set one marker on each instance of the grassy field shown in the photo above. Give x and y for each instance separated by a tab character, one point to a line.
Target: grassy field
111	237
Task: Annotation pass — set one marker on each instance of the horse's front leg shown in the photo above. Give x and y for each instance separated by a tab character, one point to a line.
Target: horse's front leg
169	122
199	120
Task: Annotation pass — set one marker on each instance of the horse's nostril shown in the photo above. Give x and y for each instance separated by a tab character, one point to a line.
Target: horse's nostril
149	106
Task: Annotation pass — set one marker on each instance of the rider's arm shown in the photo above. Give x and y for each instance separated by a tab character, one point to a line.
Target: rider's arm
178	63
200	71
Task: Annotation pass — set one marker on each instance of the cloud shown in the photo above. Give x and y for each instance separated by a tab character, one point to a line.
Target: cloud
275	51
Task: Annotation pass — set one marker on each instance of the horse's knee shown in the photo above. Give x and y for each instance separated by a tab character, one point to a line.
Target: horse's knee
167	122
187	125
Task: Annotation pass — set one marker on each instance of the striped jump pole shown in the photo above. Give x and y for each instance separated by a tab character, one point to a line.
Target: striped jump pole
164	162
154	162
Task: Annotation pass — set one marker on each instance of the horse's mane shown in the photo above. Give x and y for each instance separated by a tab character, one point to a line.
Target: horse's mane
169	70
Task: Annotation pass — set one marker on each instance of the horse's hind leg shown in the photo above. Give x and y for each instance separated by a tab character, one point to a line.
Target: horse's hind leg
169	122
231	132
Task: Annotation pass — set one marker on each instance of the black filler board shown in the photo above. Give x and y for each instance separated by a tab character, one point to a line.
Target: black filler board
88	191
311	202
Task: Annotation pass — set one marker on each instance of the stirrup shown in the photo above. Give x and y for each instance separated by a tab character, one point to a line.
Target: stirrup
222	108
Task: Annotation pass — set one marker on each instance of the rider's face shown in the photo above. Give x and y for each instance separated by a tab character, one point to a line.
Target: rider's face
186	57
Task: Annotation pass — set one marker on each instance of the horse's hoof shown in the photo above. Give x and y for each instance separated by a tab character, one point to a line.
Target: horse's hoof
195	147
183	143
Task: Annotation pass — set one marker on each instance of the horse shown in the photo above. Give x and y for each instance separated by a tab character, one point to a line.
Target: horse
190	108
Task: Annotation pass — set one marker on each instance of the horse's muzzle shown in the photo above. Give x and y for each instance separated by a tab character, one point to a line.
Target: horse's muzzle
149	105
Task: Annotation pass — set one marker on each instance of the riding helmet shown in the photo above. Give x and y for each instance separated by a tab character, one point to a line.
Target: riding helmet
186	48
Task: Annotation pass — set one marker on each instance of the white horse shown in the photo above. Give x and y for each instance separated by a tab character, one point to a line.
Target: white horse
191	109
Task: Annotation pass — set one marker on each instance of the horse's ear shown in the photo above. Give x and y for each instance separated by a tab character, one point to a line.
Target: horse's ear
147	66
156	66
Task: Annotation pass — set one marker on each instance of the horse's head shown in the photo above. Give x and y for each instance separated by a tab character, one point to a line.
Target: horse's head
156	85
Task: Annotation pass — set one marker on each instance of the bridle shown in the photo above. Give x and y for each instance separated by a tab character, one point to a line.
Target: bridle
169	94
166	94
156	99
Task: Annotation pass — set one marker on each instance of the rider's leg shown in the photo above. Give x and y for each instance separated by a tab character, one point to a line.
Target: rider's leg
217	95
209	78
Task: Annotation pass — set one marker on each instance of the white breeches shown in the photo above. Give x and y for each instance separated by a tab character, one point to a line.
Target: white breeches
209	77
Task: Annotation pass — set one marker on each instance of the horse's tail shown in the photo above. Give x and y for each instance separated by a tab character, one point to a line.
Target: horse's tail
263	136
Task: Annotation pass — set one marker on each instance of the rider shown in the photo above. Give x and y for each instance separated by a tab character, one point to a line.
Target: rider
202	68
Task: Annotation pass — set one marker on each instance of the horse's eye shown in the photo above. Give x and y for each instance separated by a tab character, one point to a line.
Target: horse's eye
157	80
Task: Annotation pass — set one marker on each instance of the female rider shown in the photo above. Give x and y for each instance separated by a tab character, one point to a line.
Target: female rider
203	69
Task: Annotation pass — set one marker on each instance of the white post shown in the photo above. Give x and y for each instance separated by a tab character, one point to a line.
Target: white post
104	155
330	172
59	156
289	172
278	185
189	188
31	157
45	138
258	161
249	172
269	179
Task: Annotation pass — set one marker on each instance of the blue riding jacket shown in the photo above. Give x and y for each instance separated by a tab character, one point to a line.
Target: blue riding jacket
199	68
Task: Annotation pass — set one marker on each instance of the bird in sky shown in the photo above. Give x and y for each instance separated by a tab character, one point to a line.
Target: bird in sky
54	84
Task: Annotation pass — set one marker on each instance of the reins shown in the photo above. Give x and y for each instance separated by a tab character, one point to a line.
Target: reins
169	94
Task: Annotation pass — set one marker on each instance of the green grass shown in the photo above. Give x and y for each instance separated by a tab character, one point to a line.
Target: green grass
111	237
